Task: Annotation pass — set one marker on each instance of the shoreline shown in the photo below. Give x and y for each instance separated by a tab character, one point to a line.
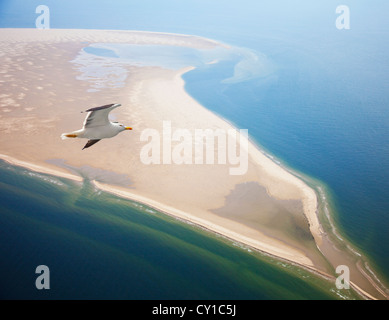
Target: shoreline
317	188
182	217
40	169
144	93
209	228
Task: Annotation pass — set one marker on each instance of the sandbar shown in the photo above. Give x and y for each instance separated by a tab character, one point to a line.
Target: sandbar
43	91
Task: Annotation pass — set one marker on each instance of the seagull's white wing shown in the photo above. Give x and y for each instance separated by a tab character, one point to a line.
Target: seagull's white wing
99	116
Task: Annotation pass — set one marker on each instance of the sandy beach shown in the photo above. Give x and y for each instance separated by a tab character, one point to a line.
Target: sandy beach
44	86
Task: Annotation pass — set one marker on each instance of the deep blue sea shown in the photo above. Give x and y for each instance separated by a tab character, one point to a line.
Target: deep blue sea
320	105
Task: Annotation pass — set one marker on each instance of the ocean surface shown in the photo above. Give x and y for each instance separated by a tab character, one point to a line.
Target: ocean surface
99	246
312	96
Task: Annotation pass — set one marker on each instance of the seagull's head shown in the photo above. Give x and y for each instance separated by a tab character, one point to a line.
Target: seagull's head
121	127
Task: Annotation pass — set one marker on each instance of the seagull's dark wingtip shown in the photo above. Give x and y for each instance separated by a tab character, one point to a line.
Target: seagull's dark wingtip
91	143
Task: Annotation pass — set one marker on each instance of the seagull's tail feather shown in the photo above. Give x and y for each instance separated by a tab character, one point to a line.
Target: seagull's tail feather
69	135
74	134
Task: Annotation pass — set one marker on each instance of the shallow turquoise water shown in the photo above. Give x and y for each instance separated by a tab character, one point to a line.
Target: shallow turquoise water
98	246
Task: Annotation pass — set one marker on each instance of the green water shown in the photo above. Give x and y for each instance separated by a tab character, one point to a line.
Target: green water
99	246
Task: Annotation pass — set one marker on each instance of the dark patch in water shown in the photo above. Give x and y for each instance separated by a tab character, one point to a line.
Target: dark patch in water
90	173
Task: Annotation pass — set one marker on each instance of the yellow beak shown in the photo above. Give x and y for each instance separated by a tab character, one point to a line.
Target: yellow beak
128	128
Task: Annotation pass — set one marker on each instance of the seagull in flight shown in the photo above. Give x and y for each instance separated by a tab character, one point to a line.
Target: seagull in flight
97	126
